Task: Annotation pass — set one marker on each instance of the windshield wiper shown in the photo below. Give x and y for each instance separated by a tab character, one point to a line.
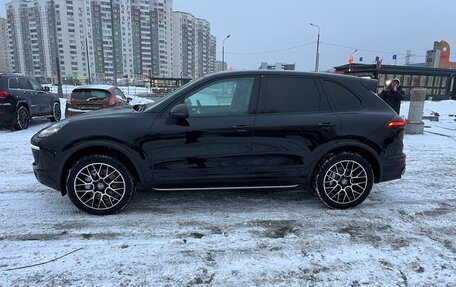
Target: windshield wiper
92	98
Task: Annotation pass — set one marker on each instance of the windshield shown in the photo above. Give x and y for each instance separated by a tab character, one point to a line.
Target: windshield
90	94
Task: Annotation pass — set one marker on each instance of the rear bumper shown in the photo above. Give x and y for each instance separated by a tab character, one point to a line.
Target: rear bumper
393	168
6	112
70	112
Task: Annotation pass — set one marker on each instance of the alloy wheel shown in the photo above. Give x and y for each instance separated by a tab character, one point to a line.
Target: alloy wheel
99	186
56	112
345	181
23	118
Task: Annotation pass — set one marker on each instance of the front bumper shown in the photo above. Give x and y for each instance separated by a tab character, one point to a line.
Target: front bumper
44	167
394	167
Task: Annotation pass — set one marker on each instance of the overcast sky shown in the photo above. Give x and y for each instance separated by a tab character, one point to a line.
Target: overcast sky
387	27
264	30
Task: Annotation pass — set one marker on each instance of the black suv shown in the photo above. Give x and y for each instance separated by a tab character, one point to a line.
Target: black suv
22	98
236	130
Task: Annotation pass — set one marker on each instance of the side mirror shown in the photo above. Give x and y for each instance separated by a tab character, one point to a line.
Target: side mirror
46	88
179	112
129	99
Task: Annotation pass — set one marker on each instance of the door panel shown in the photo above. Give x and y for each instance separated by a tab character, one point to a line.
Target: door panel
294	119
283	145
44	99
202	152
212	147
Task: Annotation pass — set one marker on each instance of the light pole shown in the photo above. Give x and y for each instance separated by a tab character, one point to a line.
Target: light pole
350	59
223	52
113	35
317	56
88	62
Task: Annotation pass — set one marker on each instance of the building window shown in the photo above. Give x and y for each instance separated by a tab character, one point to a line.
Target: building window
407	80
430	81
415	81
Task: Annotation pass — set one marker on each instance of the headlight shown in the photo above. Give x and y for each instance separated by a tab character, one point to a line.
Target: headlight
52	129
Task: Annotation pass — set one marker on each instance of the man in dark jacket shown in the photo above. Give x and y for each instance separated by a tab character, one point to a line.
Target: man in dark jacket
393	95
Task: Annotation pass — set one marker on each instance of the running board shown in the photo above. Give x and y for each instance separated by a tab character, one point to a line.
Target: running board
227	188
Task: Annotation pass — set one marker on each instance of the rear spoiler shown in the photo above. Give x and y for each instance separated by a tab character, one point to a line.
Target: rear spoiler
370	84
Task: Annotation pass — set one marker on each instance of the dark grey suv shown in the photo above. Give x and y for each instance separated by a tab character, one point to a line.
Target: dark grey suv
22	98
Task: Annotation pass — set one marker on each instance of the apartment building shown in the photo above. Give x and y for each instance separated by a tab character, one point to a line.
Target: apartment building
194	47
5	54
86	38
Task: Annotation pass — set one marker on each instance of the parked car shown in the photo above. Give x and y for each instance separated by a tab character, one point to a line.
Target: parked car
89	98
237	130
22	98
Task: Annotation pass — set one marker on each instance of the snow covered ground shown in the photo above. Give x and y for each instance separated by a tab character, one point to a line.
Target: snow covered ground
403	235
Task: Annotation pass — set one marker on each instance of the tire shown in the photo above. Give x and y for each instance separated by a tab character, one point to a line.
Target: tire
56	112
100	185
343	180
21	120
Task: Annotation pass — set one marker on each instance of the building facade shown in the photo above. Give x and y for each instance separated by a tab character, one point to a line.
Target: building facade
439	56
277	66
86	38
194	48
5	54
437	82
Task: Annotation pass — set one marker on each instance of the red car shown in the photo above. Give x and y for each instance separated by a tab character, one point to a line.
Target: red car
88	98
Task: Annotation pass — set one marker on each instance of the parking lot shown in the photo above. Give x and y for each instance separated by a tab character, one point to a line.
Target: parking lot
403	234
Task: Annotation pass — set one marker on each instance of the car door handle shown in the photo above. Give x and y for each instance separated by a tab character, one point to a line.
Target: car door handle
241	128
326	125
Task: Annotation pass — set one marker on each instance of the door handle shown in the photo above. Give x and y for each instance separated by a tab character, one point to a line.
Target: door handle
241	128
326	125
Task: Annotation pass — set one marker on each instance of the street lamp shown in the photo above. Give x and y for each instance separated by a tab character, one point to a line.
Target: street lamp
317	57
350	59
223	52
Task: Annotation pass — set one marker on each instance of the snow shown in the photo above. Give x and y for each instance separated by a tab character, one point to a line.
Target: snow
403	234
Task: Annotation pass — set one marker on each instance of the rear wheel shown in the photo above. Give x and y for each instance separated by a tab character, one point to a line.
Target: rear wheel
343	180
21	120
100	185
56	112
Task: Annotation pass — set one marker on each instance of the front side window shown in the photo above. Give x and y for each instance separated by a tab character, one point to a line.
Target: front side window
291	95
35	85
119	94
343	98
222	98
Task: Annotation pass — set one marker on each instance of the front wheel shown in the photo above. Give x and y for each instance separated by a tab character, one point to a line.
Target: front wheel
100	185
343	180
56	112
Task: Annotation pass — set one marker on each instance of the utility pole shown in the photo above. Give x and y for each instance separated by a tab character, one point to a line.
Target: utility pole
113	34
223	52
317	56
56	49
88	62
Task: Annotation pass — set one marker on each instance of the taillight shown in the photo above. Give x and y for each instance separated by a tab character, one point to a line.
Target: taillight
396	122
112	100
4	94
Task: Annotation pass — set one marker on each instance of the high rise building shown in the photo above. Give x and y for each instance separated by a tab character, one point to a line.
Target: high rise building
193	46
5	54
88	36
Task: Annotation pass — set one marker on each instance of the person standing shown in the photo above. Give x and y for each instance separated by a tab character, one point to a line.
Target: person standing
393	95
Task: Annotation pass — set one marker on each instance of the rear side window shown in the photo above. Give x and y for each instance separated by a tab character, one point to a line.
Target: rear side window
24	84
291	95
13	83
90	94
343	98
